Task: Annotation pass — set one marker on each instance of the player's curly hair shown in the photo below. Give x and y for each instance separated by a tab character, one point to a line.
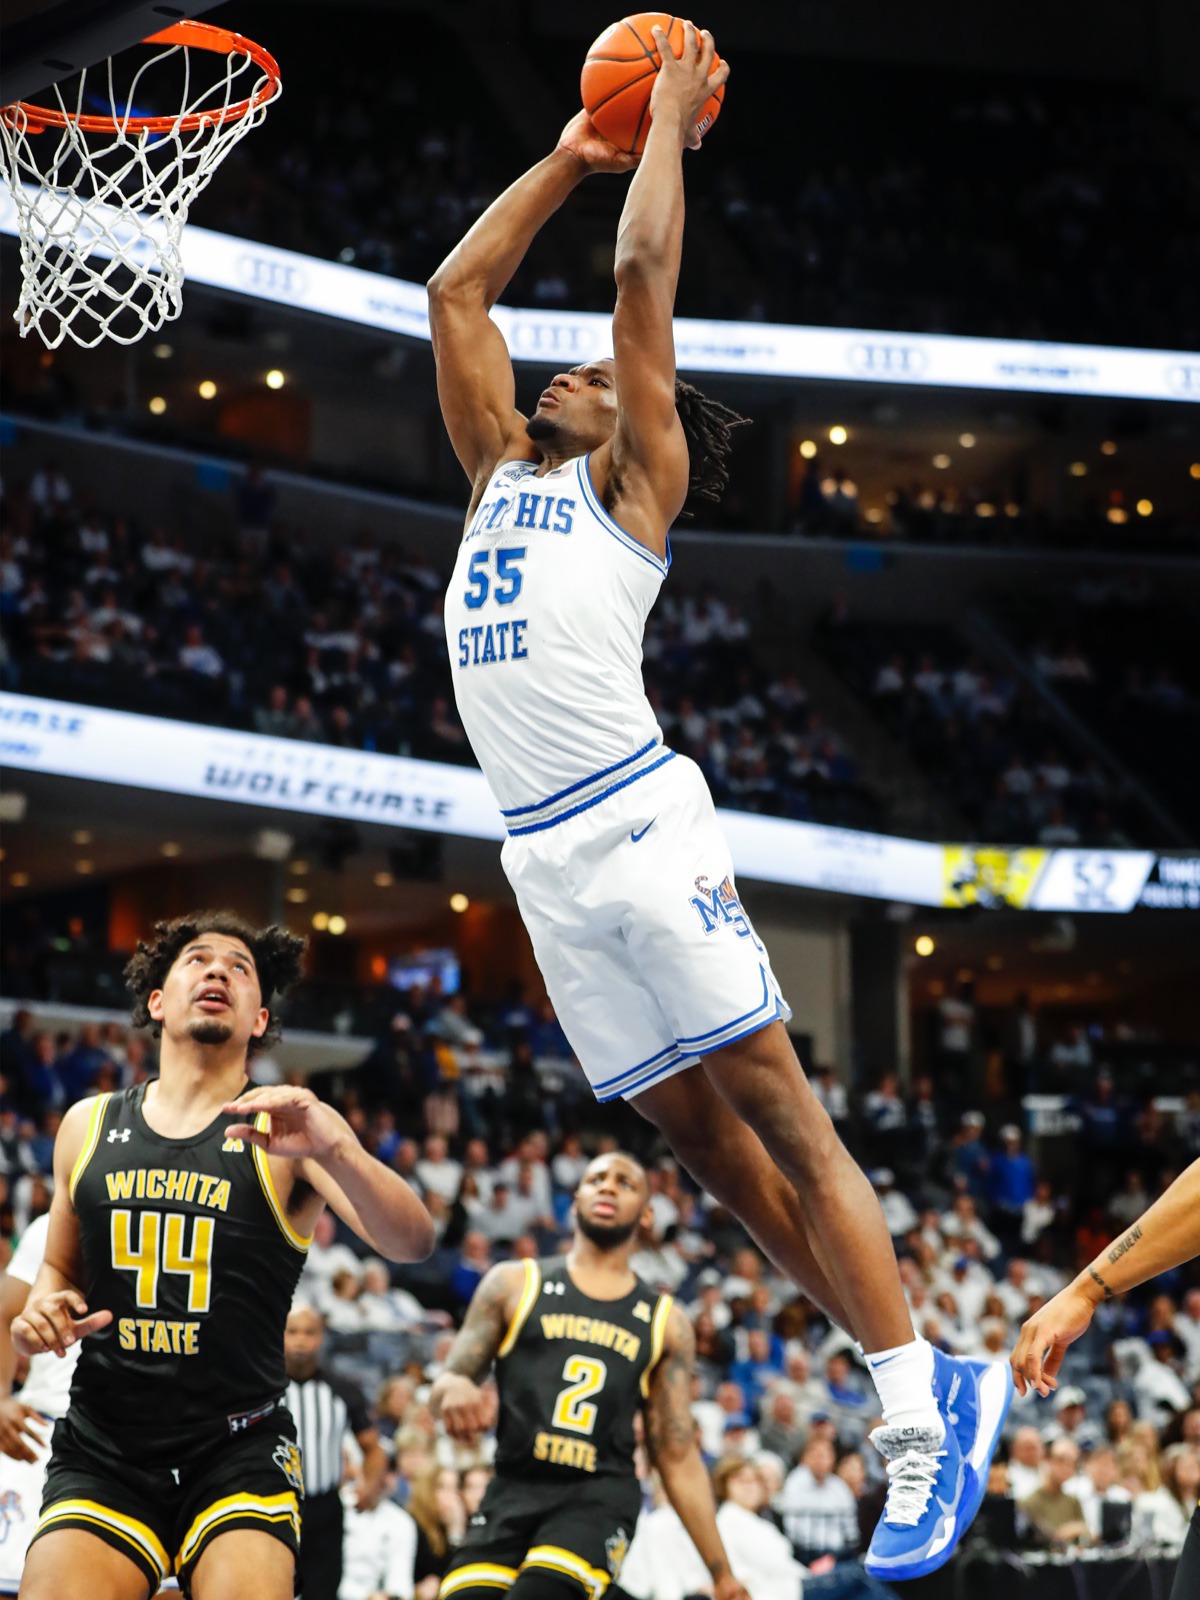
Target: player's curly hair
708	426
277	957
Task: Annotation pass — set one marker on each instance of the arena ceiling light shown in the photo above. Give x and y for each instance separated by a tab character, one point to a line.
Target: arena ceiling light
275	379
838	434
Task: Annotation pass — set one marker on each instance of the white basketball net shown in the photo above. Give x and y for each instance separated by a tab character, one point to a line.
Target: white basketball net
101	214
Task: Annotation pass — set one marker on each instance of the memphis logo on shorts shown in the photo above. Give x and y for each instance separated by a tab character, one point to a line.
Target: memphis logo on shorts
286	1457
721	908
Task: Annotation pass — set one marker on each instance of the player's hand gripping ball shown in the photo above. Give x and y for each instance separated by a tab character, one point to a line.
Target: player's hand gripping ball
624	66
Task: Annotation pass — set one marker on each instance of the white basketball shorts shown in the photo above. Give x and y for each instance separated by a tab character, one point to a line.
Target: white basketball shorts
21	1485
629	899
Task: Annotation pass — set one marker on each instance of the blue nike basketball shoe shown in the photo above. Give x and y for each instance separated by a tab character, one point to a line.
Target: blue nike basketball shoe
922	1516
936	1487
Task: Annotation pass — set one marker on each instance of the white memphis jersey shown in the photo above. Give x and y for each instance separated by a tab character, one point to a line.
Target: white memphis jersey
544	621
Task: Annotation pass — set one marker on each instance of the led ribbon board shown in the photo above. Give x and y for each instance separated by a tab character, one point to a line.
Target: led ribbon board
156	754
751	349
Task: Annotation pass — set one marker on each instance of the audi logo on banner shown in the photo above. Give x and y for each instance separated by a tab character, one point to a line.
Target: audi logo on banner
1184	379
885	360
536	341
273	279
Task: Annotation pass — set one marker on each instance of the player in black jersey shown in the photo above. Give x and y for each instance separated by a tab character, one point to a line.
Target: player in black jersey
182	1212
580	1345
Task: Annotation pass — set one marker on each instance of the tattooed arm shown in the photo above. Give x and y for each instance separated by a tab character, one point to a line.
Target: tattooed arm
1165	1236
671	1441
456	1397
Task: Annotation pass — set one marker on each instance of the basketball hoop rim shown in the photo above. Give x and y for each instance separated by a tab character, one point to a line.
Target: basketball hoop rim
199	36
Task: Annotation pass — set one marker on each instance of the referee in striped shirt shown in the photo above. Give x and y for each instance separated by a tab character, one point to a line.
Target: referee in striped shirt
325	1409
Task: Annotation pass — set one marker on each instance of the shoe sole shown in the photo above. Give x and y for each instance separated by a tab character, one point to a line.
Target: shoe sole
994	1391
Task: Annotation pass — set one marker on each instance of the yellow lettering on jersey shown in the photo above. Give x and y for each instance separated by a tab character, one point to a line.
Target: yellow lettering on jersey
158	1183
232	1147
152	1336
562	1452
198	1264
591	1330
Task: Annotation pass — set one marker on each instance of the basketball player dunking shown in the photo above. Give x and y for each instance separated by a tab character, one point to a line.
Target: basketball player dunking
621	874
182	1213
581	1345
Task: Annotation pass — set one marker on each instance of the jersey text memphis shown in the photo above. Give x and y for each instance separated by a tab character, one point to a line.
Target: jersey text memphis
544	621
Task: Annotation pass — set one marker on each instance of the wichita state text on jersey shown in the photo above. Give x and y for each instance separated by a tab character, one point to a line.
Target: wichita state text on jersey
572	1374
186	1242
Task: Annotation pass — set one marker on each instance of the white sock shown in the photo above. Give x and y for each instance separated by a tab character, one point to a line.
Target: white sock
903	1380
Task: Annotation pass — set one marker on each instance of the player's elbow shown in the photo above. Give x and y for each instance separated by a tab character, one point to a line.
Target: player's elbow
450	287
639	257
422	1238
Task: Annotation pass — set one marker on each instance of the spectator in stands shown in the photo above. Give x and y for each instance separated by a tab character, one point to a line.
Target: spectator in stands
1056	1516
1071	1421
1096	1486
897	1208
437	1172
436	1506
760	1556
1160	1391
1025	1460
819	1511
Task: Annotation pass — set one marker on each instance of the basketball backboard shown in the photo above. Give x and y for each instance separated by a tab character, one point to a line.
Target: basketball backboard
44	41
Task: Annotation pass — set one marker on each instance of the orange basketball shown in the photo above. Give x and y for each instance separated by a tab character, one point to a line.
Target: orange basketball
618	77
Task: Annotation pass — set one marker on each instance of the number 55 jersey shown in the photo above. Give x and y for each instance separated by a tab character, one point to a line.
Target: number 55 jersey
187	1243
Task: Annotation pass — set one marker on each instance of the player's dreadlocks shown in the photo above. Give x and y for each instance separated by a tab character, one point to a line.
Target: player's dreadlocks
708	426
277	958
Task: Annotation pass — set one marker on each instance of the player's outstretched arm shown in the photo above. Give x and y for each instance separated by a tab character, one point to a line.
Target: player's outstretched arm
649	450
464	1408
671	1441
55	1313
474	372
369	1197
1165	1236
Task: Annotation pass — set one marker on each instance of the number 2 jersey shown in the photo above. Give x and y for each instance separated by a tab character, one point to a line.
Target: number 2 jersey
544	620
572	1374
186	1242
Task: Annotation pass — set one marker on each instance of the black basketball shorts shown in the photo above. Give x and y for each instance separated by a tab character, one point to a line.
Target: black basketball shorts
578	1530
163	1517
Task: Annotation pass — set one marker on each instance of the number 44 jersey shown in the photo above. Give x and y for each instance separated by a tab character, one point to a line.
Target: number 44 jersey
572	1373
186	1242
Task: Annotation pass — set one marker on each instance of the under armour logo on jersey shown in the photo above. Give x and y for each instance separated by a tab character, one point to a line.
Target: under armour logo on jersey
119	1133
233	1145
555	1288
642	1311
